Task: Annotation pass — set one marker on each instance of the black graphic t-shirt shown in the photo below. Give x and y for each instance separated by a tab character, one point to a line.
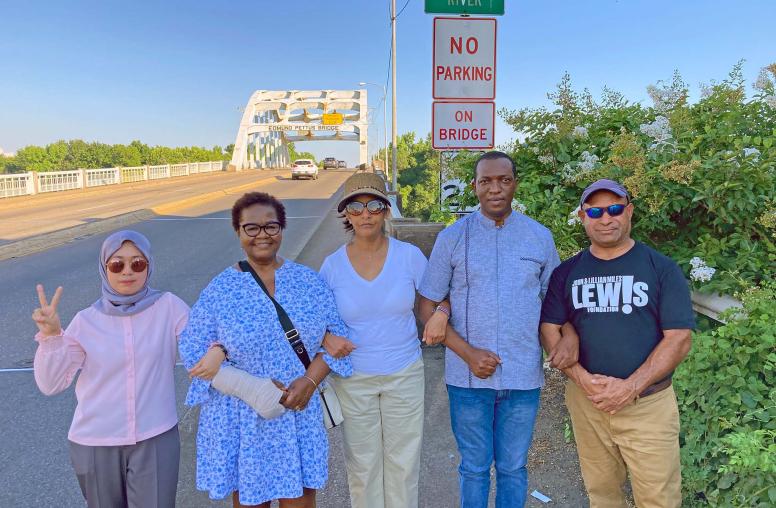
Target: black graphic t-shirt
619	307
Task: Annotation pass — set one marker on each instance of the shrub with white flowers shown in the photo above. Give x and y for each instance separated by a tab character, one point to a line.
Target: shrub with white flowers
546	159
701	174
518	206
701	272
579	131
753	152
659	131
574	219
573	171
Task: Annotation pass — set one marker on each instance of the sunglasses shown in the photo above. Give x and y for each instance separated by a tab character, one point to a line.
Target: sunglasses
137	265
596	212
253	230
374	207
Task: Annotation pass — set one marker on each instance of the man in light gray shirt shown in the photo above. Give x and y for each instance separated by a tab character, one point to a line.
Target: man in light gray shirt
494	266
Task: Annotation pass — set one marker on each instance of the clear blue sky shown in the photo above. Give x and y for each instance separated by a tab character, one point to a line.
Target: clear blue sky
176	73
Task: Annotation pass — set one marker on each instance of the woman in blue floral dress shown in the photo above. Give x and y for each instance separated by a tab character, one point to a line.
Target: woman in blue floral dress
258	460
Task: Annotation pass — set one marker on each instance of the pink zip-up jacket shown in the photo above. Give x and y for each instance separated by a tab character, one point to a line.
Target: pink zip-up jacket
126	389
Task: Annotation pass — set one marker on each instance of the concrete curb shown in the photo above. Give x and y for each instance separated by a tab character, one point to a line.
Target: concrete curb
45	241
334	198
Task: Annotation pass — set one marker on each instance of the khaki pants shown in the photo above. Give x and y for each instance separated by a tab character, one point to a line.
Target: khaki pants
382	431
643	437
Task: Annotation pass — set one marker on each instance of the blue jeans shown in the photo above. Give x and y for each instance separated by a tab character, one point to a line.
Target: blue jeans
493	425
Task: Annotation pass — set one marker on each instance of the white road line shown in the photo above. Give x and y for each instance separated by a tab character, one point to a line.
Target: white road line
105	205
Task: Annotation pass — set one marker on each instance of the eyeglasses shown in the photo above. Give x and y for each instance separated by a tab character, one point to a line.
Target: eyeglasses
137	265
253	230
596	212
374	207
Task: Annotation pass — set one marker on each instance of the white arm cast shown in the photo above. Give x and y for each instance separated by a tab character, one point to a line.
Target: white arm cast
259	393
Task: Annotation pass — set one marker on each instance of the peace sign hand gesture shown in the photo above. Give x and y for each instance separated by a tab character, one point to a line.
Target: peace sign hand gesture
46	316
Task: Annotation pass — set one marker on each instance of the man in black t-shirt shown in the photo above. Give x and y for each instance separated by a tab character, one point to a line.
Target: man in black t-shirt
630	306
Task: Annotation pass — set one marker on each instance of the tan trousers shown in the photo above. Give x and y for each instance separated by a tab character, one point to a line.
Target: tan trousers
643	438
382	431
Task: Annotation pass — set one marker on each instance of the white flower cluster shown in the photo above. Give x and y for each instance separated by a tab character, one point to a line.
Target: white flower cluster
701	272
518	206
664	98
770	100
660	131
572	171
535	149
546	159
763	82
754	152
588	161
574	217
579	132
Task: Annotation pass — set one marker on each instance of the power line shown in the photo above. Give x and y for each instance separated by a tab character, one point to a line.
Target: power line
402	9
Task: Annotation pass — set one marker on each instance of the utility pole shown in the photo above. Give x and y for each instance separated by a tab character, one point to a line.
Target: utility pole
385	128
393	94
385	121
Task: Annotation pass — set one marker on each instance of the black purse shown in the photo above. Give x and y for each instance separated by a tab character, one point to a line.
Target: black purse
333	412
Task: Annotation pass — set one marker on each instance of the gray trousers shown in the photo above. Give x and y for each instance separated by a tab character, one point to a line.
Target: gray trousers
142	475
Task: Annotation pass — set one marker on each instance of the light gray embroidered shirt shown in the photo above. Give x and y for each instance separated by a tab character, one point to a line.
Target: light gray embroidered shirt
496	278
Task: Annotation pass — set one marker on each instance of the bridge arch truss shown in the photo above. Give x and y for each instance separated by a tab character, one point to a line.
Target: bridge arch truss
273	118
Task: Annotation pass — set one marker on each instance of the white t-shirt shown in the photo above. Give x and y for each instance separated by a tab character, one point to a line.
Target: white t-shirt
379	313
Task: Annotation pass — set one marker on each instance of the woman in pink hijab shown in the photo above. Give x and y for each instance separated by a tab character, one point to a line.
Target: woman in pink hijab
123	440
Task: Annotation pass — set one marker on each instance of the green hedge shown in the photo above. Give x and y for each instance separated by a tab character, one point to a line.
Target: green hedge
702	175
727	404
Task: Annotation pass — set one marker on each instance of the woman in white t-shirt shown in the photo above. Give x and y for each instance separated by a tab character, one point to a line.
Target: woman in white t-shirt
374	279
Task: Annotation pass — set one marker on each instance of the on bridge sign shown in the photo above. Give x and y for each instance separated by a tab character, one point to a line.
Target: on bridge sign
464	58
462	125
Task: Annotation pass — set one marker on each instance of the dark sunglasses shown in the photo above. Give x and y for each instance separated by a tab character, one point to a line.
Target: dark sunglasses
137	265
596	212
253	230
374	207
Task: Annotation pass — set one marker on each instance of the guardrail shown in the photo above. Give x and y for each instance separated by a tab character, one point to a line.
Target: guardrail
26	184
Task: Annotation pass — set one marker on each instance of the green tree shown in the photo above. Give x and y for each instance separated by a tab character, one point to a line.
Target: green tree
294	155
33	158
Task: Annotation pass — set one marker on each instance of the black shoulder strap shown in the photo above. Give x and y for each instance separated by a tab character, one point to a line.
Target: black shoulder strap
291	332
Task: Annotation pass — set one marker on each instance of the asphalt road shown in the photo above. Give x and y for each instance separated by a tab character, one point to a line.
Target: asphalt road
24	216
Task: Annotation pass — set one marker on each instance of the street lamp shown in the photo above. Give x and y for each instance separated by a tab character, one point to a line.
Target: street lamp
385	116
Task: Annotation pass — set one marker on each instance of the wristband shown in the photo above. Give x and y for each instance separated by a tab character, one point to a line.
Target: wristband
311	380
443	310
222	348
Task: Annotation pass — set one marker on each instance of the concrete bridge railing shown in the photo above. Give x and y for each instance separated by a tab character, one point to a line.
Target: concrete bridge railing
26	184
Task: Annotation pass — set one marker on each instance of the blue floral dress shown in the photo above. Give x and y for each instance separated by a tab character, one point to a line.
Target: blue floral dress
236	448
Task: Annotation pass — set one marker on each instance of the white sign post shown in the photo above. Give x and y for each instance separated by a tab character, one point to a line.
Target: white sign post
464	58
463	125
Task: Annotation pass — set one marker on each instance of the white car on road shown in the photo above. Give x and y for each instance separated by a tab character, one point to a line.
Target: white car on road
304	167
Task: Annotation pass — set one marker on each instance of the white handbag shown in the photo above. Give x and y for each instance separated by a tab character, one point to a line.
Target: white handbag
332	411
